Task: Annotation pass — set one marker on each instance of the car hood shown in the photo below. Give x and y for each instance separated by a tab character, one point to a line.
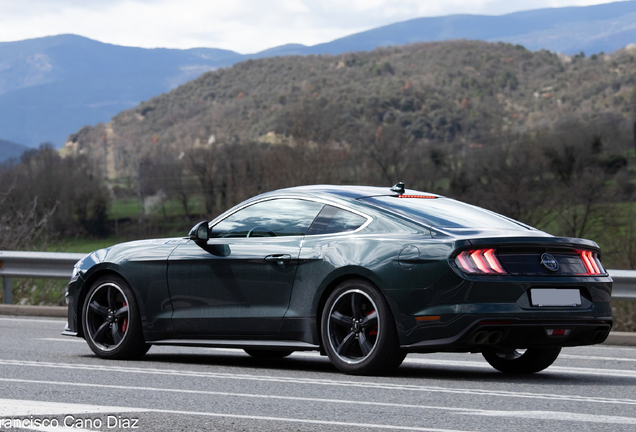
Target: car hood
146	250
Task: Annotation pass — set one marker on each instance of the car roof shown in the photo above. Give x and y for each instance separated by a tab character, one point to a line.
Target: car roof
348	192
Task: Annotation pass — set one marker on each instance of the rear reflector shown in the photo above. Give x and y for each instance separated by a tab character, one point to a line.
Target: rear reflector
479	261
428	318
590	261
557	332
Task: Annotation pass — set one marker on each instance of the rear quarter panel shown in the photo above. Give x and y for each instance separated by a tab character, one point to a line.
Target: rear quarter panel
408	282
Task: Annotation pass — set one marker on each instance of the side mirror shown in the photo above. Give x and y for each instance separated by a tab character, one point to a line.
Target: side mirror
200	232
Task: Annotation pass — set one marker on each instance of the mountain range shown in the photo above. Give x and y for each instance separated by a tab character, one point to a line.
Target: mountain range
50	87
11	150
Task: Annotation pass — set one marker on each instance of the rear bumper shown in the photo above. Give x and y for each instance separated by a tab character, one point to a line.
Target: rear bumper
518	333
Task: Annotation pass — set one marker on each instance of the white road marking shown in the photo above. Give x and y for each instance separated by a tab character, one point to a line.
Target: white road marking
593	358
48	321
556	415
23	408
604	347
20	408
367	384
11	408
607	419
535	415
624	373
66	339
422	358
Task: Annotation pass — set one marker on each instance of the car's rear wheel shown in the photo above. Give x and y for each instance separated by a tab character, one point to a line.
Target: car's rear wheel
358	330
112	324
267	354
519	361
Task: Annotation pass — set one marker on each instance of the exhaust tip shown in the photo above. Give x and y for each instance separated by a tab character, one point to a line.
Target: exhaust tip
480	338
495	337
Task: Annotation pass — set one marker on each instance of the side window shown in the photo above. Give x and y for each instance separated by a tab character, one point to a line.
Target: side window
333	220
272	218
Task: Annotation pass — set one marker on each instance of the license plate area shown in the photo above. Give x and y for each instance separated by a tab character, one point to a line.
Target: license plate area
541	297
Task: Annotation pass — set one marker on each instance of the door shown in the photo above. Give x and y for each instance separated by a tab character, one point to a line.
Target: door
241	281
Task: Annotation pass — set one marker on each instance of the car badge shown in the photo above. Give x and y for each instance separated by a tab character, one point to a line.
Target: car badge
549	262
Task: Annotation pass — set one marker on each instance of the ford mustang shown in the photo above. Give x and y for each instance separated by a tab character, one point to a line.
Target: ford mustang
365	275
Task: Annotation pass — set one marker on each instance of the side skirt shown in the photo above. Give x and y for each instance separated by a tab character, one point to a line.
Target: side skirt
253	344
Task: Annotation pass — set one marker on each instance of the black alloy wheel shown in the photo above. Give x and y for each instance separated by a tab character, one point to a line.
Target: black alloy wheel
515	361
358	330
112	325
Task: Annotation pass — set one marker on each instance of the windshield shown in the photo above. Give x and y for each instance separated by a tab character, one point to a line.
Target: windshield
444	213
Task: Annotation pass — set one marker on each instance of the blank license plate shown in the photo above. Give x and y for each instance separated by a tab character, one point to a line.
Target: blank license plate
555	297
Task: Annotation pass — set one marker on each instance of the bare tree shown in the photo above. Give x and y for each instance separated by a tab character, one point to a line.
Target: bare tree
21	227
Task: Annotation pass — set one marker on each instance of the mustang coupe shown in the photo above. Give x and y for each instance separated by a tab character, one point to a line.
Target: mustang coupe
364	275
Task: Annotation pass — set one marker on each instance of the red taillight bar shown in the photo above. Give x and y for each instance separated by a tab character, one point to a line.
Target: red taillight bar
591	262
479	261
493	261
464	262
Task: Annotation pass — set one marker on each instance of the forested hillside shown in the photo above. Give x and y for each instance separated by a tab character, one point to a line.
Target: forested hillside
432	93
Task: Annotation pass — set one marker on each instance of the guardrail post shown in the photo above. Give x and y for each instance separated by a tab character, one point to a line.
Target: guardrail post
7	295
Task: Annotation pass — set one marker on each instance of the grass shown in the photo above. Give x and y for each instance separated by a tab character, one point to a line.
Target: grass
124	207
624	313
38	292
170	208
84	244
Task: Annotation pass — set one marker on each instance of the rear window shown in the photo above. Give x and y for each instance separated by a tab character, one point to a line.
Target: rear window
444	213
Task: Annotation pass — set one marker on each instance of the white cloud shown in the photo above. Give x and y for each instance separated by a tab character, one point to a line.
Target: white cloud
241	25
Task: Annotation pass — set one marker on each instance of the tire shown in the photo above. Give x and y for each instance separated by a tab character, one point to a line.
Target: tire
111	320
267	354
515	362
358	330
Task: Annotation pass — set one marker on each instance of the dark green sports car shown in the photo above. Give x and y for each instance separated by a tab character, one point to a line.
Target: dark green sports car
365	275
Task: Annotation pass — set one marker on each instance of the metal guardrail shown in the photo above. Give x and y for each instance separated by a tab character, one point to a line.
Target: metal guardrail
44	265
56	265
624	287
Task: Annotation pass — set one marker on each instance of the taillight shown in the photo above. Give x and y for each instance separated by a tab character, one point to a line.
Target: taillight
590	261
479	261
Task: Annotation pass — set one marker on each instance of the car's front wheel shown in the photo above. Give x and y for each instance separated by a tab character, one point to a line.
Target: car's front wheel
112	324
358	330
526	361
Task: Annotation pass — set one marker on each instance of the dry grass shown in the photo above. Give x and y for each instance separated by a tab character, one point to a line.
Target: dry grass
624	313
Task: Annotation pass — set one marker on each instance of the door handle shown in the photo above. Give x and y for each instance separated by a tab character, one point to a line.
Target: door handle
279	258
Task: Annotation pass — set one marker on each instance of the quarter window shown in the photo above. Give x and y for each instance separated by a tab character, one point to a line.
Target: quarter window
272	218
333	220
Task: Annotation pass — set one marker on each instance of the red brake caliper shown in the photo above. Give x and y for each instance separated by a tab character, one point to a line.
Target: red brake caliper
125	323
373	331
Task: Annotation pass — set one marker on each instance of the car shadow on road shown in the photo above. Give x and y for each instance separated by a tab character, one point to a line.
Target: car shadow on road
459	374
408	372
309	364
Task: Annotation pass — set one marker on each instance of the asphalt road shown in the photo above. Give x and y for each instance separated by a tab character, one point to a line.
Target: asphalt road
57	380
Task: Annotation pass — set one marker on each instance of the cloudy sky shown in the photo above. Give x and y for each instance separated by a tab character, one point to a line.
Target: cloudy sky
245	26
